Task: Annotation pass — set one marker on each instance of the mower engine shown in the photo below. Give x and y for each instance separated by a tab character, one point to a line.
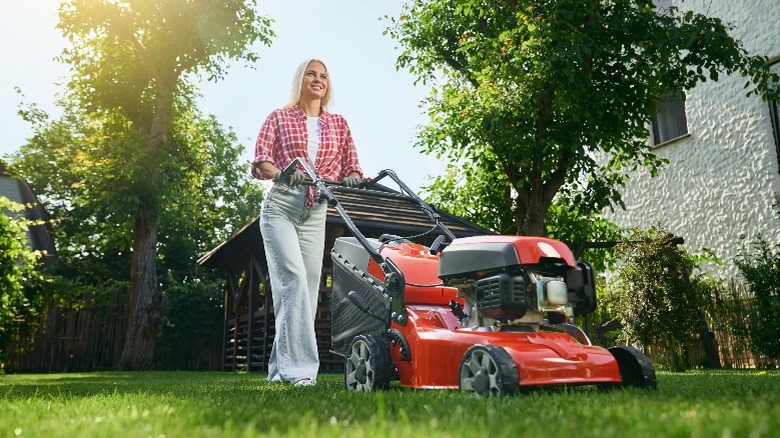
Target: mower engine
507	280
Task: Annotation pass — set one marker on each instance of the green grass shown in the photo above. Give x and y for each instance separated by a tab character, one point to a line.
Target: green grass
187	404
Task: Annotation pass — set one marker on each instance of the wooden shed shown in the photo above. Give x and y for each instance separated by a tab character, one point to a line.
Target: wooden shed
249	324
39	235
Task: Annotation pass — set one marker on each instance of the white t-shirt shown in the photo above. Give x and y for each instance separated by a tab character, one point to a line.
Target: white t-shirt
313	128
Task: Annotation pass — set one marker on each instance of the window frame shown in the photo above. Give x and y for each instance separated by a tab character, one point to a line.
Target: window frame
671	120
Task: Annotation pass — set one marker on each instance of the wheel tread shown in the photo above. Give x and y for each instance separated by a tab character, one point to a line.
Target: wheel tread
636	370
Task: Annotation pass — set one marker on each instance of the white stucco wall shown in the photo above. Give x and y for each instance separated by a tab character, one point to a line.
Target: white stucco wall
721	179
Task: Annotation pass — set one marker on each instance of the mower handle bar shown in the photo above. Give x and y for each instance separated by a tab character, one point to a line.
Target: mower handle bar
394	278
325	192
311	179
432	214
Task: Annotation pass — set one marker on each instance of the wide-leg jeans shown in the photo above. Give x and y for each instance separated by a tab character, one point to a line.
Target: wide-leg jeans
294	240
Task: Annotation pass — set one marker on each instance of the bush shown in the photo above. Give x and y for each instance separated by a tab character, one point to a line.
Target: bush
656	302
18	275
191	327
761	271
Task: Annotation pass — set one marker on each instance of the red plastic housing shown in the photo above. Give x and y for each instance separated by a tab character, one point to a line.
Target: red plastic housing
420	268
437	341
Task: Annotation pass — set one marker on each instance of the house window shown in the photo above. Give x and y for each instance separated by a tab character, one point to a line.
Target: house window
670	121
662	6
773	114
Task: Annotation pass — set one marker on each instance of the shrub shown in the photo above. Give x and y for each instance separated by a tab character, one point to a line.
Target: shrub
191	327
18	274
761	272
656	302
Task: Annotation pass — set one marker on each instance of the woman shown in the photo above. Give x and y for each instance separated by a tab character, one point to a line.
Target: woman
292	222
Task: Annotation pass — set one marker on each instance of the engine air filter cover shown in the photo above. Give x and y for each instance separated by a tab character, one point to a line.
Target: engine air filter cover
553	293
502	296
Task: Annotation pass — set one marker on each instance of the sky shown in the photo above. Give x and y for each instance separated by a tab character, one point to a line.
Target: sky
380	103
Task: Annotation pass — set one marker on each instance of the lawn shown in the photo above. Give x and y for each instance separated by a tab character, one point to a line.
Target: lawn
179	404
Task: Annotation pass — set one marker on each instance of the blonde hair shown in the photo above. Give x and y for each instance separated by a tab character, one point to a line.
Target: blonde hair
297	82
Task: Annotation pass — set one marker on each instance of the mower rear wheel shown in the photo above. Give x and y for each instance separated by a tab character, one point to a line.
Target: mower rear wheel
367	365
488	370
636	370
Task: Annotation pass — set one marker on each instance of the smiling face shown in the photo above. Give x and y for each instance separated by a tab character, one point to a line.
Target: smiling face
315	82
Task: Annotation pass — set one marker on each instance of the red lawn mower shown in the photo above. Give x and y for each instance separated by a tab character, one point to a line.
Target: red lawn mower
490	314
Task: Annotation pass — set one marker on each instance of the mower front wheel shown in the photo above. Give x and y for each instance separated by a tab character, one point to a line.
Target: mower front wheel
367	365
636	370
488	370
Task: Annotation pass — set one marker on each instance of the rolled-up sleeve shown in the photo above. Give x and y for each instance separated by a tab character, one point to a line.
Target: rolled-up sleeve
349	155
264	146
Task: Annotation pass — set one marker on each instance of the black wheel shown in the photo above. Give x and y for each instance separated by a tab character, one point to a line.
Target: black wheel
488	370
635	368
367	365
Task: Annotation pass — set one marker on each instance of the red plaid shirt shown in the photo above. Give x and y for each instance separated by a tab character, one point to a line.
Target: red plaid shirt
284	137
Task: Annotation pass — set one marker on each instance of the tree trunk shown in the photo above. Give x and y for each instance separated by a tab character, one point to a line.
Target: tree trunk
538	193
532	206
146	302
534	219
145	298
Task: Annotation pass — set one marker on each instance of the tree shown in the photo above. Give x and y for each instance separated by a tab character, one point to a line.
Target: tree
72	164
457	190
531	94
132	61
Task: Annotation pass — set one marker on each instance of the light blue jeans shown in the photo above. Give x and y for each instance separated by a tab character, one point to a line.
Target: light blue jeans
294	240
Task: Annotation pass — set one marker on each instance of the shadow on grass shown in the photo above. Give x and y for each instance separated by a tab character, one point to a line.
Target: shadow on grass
699	385
179	384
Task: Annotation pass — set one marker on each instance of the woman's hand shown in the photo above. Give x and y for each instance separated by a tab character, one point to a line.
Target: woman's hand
351	181
294	180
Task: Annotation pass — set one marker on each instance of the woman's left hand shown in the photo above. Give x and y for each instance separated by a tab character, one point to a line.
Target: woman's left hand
351	181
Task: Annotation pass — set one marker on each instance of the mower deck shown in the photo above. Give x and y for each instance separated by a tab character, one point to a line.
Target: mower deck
437	344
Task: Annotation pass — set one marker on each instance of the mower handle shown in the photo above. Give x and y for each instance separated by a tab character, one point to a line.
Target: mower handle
311	179
394	277
322	186
309	182
432	214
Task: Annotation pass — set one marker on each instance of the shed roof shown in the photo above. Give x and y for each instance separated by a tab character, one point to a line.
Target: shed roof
374	212
39	234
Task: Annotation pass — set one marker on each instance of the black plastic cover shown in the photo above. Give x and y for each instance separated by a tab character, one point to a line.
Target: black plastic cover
476	258
582	288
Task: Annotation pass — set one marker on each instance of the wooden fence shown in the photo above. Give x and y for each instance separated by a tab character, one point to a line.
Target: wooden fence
85	339
91	338
734	351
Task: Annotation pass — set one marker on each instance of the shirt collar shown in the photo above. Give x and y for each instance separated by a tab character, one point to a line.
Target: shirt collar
300	115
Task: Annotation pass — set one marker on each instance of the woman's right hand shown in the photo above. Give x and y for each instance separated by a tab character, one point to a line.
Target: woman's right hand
294	180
